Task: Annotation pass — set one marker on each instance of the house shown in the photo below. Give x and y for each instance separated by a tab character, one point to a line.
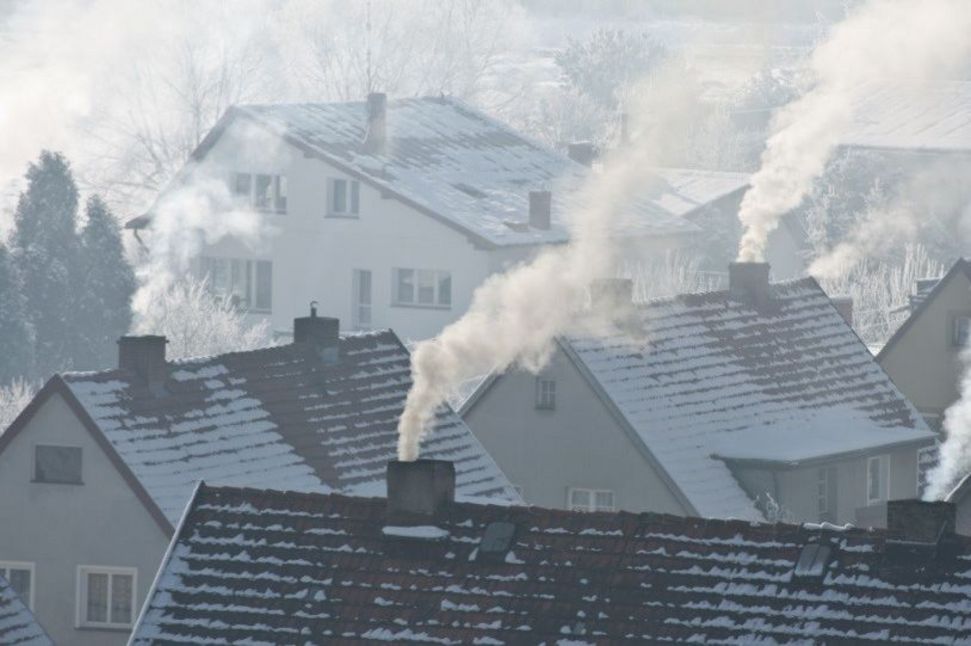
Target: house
257	566
97	470
923	355
754	402
390	214
17	624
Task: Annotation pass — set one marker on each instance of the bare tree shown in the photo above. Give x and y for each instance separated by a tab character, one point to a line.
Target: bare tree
13	398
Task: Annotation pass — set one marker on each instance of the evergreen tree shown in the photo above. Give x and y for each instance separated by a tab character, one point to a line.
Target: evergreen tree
46	250
16	342
104	308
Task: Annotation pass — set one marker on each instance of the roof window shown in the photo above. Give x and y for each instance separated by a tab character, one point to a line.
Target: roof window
813	560
496	540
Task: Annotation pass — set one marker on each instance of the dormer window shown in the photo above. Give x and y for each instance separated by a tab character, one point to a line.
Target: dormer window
263	192
343	198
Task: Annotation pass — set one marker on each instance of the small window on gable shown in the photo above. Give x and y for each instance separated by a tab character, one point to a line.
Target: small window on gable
545	393
344	197
960	326
57	464
590	499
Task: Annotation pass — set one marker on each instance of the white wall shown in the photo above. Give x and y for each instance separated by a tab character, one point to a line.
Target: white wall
61	526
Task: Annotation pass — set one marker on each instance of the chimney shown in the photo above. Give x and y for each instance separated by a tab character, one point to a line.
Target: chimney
375	140
749	281
144	356
540	209
844	305
918	521
582	152
611	293
419	492
321	332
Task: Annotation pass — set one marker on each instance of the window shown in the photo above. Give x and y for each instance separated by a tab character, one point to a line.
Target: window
960	326
590	500
261	191
57	464
106	597
877	479
545	393
422	287
361	291
20	576
247	283
826	494
344	197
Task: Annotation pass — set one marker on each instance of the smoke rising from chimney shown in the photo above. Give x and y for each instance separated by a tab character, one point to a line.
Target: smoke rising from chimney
955	452
885	40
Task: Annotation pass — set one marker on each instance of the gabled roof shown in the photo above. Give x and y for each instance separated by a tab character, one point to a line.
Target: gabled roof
277	417
704	382
253	566
18	627
960	268
468	170
921	116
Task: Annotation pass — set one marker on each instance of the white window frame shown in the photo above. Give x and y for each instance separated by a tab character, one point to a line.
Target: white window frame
6	566
437	276
592	498
352	198
277	181
251	270
81	596
545	397
883	470
359	307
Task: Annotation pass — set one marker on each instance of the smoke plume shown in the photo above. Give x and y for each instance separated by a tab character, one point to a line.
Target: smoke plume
895	40
955	452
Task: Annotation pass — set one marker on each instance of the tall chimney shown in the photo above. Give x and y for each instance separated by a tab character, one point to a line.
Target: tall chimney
918	521
540	209
419	492
844	305
319	332
749	281
375	140
582	152
144	356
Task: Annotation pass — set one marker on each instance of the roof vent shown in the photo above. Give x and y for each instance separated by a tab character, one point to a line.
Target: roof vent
320	332
813	560
496	541
540	209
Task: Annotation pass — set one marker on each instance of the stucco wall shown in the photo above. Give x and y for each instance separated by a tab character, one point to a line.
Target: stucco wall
923	362
60	526
579	444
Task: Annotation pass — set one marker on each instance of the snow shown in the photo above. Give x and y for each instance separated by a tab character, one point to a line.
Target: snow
424	532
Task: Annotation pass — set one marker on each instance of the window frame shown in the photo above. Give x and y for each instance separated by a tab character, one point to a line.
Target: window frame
883	470
81	596
592	498
279	188
956	320
357	304
29	566
545	397
351	193
250	280
437	276
33	473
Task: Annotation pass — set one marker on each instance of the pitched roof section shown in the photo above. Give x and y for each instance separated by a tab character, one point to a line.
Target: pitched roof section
18	627
707	374
471	171
278	417
268	567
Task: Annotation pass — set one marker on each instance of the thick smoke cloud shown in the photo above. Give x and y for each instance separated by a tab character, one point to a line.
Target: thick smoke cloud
955	453
895	40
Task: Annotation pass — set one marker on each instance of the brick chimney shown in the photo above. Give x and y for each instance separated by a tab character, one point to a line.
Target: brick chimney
320	332
540	209
749	282
919	521
844	305
419	492
144	356
582	152
376	138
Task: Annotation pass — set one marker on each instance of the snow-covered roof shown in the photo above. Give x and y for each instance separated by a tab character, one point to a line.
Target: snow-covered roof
712	375
18	627
264	567
920	116
471	171
277	417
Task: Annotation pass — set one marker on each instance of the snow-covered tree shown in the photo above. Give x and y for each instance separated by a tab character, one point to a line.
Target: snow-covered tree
104	304
197	323
13	398
16	342
46	250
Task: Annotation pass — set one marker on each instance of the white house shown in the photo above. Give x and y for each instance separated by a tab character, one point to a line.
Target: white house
97	470
390	214
754	402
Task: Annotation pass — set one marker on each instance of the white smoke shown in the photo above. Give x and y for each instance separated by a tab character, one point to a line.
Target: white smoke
955	452
885	40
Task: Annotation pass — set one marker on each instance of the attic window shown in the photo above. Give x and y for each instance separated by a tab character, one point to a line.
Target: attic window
471	191
496	540
813	560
